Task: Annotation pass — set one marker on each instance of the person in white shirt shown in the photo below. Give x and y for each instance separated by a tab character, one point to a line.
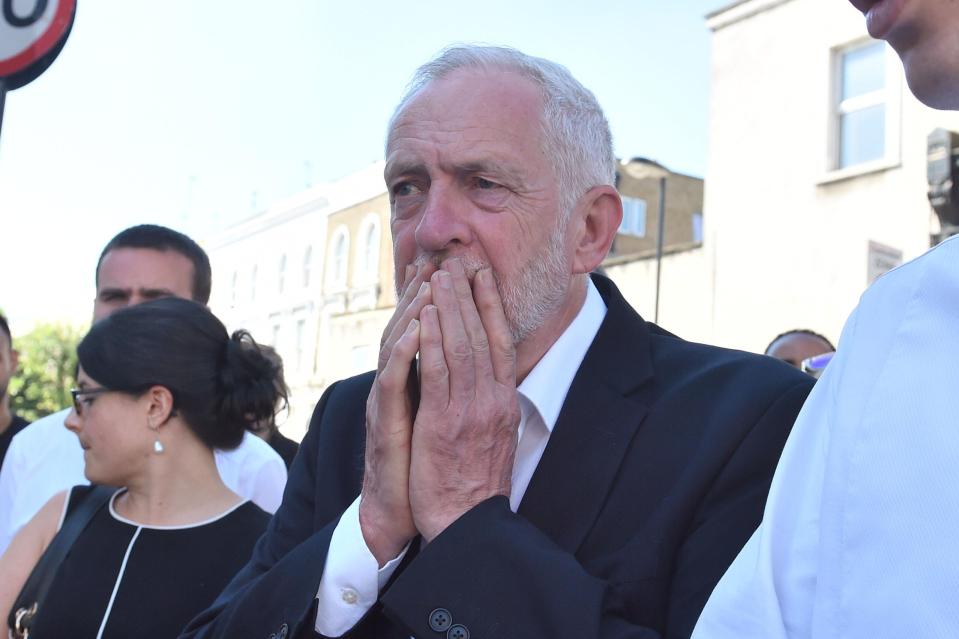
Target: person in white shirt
859	531
531	458
141	263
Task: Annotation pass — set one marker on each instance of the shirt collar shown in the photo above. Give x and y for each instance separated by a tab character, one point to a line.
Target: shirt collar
546	386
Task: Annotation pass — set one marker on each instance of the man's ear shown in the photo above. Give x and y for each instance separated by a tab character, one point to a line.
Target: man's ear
159	406
597	217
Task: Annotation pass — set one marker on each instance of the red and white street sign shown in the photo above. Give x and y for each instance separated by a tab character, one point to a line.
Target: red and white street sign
31	34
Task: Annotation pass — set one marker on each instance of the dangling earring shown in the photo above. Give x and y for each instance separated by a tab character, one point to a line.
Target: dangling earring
158	447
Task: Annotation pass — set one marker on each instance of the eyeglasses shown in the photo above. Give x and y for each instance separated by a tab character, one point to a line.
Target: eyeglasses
816	364
77	393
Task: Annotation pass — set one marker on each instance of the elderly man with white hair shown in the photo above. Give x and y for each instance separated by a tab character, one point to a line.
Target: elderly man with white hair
530	458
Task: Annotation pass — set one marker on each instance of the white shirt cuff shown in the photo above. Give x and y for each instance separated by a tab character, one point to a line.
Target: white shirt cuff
351	581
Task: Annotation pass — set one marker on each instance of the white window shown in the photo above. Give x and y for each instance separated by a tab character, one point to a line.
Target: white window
368	257
300	344
698	227
233	287
866	114
253	283
363	358
634	217
339	258
307	265
281	273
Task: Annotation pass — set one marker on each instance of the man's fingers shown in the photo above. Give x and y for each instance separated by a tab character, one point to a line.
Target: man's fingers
401	320
490	307
434	374
472	323
456	344
393	378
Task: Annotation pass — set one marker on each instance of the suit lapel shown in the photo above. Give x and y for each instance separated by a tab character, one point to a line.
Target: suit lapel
594	428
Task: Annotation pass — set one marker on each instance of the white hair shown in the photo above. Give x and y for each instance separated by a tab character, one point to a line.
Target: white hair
576	135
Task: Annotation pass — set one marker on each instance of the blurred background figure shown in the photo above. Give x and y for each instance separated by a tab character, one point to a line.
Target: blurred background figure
266	429
10	424
160	386
797	345
141	263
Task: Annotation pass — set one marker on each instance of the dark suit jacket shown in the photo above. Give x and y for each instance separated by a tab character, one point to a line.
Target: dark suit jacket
654	477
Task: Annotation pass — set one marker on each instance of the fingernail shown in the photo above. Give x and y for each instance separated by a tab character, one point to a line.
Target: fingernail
424	287
444	279
414	324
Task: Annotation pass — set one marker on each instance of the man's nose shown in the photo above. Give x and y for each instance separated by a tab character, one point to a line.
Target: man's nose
444	220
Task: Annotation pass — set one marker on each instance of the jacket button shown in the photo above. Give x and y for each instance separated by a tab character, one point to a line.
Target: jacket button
459	631
284	631
441	620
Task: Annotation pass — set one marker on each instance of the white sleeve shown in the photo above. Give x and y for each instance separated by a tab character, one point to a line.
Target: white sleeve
351	581
8	493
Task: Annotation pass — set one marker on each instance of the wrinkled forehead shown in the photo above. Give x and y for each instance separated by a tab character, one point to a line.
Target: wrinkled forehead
472	98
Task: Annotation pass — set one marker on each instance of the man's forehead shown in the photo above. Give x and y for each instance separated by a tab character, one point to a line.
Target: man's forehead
503	95
136	268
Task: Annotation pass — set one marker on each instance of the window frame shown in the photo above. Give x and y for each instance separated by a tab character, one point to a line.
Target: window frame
890	96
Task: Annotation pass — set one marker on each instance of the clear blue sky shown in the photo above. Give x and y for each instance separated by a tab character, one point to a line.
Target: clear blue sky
195	114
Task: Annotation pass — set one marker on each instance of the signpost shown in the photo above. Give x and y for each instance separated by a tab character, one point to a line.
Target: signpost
32	34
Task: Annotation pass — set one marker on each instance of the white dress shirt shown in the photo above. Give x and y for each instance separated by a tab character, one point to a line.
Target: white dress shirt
859	533
46	458
351	582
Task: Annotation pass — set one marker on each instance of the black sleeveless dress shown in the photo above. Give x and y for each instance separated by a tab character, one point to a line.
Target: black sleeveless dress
122	580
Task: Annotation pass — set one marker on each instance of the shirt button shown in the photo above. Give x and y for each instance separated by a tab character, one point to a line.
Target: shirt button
350	596
440	619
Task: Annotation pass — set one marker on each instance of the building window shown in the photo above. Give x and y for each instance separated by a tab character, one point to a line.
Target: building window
281	273
363	358
300	344
339	258
233	287
862	113
634	217
368	257
698	227
253	278
307	265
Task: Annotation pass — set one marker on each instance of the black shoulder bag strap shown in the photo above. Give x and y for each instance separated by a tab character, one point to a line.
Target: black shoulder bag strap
38	584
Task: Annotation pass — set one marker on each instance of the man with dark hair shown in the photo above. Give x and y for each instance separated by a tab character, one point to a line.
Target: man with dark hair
163	240
141	263
858	538
540	462
10	423
797	345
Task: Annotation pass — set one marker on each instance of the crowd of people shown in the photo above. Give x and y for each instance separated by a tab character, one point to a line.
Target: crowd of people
530	458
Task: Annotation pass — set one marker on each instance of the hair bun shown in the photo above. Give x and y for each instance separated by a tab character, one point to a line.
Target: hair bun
247	380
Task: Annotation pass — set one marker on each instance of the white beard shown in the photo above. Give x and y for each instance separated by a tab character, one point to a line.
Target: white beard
536	291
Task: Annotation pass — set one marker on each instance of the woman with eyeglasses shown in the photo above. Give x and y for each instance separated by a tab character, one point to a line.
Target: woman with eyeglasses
160	386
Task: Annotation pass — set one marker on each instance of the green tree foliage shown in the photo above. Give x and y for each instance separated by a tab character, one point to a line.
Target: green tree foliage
48	360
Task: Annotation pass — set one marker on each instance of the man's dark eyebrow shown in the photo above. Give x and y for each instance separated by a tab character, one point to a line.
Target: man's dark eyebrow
156	292
109	291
